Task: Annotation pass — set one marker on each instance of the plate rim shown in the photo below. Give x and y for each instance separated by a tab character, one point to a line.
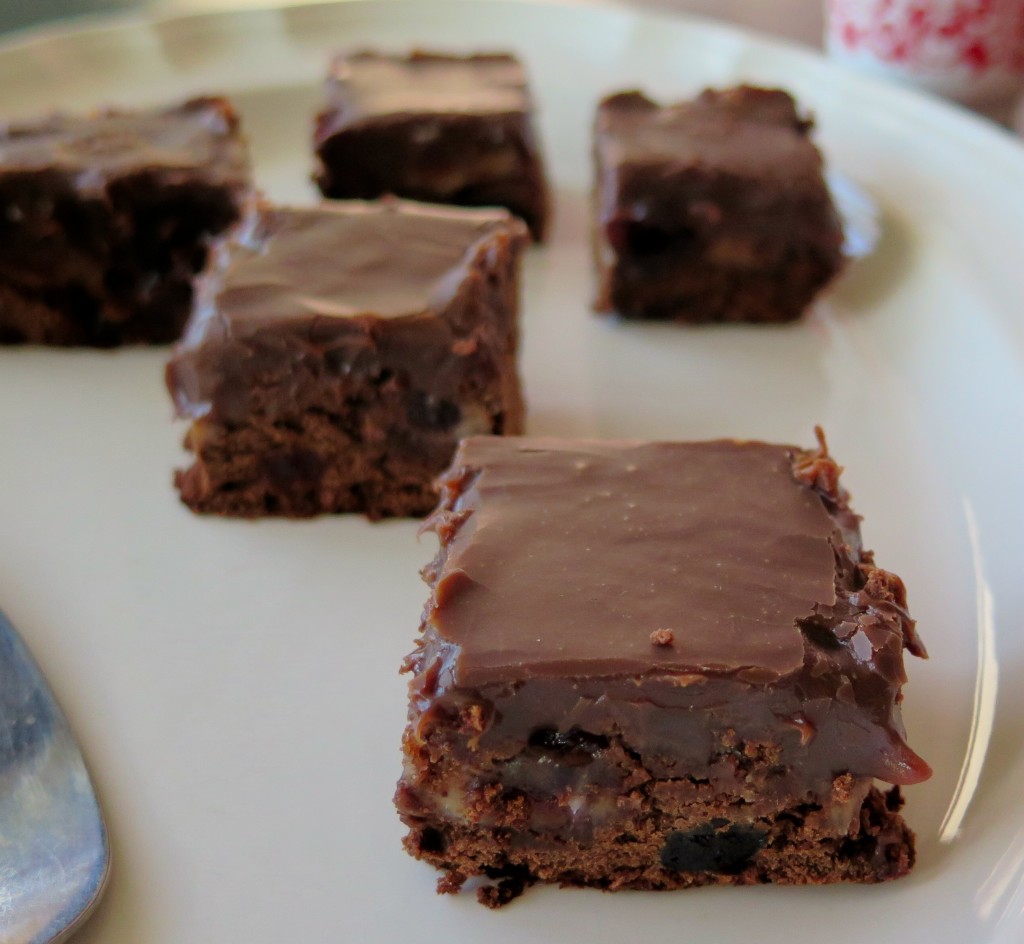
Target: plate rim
73	29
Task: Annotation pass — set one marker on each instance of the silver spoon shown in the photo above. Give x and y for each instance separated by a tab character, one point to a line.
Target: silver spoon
54	855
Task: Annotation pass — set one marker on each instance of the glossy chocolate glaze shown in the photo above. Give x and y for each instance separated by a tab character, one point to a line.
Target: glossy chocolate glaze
744	131
349	289
574	553
196	137
364	86
557	560
388	260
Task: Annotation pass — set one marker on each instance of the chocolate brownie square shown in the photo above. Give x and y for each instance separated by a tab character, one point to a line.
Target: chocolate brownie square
655	665
711	210
336	355
428	126
105	220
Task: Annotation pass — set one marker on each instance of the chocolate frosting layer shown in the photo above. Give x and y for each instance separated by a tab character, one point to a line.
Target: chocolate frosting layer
370	85
386	259
367	288
743	131
196	136
574	553
693	600
729	167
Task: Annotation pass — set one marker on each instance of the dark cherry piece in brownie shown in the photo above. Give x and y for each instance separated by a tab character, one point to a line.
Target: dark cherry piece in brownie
336	356
441	128
711	210
105	219
655	665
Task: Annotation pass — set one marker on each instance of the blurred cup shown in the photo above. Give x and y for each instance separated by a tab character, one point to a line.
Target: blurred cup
968	50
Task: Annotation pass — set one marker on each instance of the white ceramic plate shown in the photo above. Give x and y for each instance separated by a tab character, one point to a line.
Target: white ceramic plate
235	684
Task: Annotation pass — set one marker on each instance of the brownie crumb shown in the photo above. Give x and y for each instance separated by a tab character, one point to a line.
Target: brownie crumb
472	719
507	889
842	788
662	637
450	883
894	800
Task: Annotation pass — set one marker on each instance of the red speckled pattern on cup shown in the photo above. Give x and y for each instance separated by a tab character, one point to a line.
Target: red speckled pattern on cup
972	50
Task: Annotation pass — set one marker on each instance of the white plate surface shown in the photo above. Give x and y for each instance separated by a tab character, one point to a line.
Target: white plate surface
235	684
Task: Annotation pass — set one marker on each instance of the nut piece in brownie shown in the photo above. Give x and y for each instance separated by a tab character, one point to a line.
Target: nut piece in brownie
711	210
336	356
441	128
655	665
105	219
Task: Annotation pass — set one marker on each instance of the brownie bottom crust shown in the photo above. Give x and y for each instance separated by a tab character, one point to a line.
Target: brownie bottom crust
304	484
697	290
308	469
72	318
321	462
660	848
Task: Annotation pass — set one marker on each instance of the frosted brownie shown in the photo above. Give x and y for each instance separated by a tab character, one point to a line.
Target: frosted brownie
429	126
105	219
336	355
655	665
711	210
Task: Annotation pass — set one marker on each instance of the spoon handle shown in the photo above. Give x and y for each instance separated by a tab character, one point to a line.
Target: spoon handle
54	854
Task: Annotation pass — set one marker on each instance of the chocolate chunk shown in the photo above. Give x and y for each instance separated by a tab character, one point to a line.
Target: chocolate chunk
712	849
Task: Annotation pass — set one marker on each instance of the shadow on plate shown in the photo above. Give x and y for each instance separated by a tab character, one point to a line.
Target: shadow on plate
871	279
